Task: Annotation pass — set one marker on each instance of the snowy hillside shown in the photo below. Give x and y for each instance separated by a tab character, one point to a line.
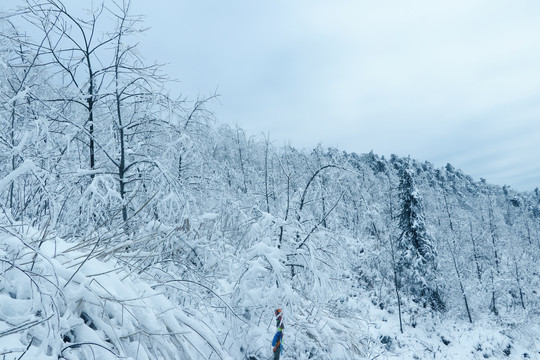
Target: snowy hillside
133	226
60	302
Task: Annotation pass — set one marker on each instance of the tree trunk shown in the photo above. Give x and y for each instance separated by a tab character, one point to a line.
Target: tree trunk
519	283
475	253
493	304
266	195
90	101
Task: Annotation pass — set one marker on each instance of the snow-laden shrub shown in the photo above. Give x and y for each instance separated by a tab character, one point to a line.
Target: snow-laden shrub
58	303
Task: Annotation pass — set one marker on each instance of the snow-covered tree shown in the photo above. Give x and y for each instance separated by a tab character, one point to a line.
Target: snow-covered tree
418	261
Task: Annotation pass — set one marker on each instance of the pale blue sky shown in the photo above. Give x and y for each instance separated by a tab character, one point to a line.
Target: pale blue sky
443	81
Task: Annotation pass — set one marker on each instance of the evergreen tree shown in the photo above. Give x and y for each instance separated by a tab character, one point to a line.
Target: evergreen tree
418	257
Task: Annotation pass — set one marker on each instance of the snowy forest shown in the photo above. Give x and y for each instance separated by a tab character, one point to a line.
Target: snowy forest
135	225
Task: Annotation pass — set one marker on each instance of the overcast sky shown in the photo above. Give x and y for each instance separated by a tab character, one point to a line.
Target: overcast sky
443	81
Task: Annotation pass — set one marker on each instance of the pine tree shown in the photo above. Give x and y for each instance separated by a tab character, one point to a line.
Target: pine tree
418	257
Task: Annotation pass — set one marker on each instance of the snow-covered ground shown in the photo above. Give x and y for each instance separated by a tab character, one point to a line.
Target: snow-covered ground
60	303
57	303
